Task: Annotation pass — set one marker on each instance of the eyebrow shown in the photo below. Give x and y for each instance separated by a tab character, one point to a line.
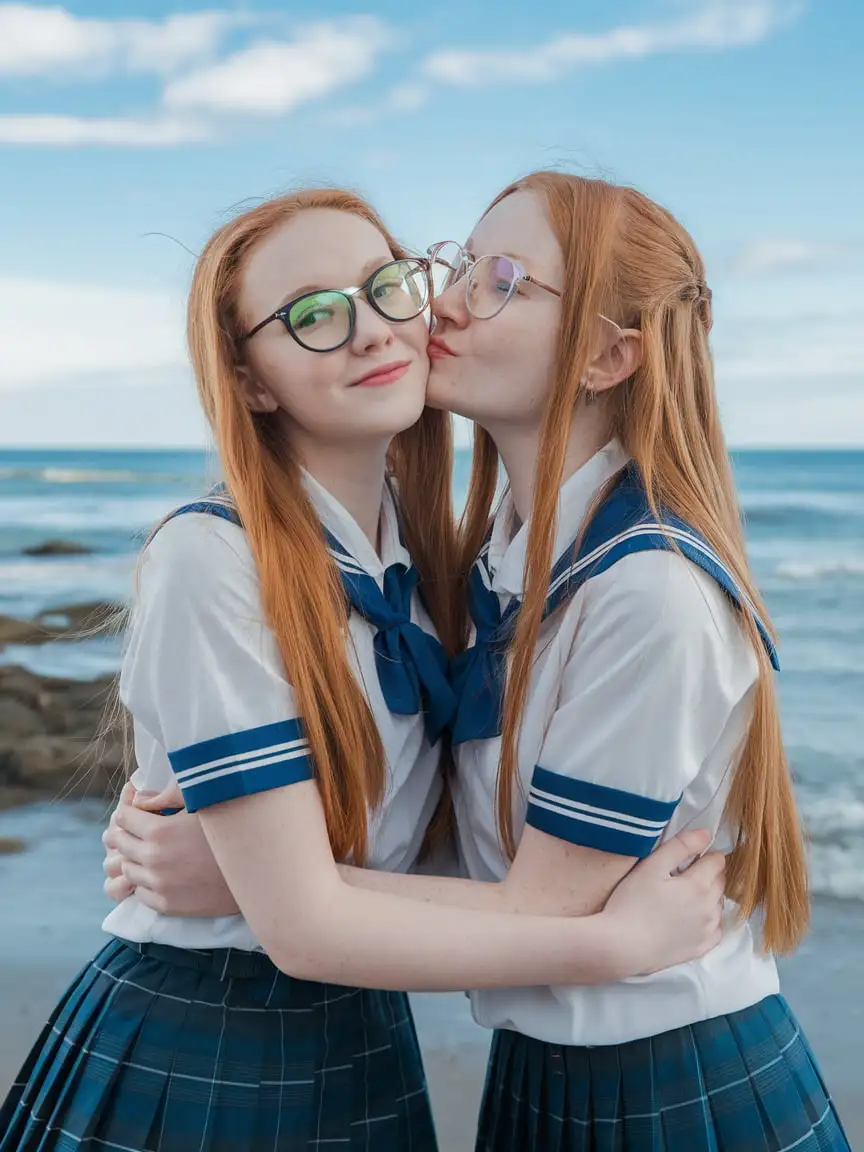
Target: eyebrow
365	272
509	255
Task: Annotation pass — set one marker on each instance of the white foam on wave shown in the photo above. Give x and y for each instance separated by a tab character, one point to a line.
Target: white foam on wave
85	476
833	817
845	503
803	571
837	871
835	830
92	476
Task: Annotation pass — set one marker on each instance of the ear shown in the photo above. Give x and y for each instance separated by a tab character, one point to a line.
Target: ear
255	395
618	358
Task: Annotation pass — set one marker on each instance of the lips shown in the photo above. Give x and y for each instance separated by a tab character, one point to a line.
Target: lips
384	374
439	348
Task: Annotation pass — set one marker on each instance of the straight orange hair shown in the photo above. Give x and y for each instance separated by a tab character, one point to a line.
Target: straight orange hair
301	589
629	259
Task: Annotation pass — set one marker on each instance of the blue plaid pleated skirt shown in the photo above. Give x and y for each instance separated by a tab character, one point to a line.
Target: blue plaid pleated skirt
163	1049
740	1083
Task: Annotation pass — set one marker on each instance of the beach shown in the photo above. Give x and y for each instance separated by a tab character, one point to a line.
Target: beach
70	525
46	940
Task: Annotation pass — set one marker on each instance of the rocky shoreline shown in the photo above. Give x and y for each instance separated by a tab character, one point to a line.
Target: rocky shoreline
53	741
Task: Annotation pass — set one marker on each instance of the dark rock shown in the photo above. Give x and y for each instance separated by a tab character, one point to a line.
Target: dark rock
53	738
17	719
58	548
10	845
68	622
71	620
15	631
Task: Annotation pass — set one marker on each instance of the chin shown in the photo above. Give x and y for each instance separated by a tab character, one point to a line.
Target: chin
442	390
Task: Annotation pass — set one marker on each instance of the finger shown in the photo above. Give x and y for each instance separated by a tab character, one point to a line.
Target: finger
137	822
108	837
137	875
710	869
118	889
681	849
152	900
170	797
131	848
112	865
127	796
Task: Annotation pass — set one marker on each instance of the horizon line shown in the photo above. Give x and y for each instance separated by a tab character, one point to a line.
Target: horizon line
203	448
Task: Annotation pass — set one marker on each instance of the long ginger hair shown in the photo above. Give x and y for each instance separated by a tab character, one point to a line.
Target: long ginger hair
301	589
629	259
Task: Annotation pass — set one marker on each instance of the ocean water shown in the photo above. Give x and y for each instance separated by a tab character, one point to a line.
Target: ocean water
804	515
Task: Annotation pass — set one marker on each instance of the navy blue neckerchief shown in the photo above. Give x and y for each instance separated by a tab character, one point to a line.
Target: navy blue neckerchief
622	525
412	666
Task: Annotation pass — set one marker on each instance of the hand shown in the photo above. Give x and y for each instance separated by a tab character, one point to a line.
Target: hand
165	860
668	918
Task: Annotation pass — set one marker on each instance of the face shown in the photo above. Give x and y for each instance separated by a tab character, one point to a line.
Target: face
375	384
500	370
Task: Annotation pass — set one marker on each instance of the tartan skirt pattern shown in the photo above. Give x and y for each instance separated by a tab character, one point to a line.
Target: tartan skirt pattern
169	1050
746	1082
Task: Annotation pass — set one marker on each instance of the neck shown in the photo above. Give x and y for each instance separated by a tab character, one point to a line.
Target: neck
519	449
354	474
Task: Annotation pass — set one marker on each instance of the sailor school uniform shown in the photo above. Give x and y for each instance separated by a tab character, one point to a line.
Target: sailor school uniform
640	697
182	1033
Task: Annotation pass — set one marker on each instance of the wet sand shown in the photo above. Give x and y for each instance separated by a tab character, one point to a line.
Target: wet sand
51	905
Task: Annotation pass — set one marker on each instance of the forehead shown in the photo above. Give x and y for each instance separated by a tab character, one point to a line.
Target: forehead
518	225
320	247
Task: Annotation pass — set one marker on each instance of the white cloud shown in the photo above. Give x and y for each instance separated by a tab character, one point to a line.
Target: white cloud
710	25
407	97
272	77
74	131
399	101
37	40
52	331
767	257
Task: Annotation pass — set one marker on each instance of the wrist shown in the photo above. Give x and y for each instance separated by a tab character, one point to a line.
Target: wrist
611	947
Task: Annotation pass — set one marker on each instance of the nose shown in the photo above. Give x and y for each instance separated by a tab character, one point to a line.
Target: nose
450	306
371	331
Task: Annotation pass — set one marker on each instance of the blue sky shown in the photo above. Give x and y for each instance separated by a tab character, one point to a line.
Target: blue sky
742	116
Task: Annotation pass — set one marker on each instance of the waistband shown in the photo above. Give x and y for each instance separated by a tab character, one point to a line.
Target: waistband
223	963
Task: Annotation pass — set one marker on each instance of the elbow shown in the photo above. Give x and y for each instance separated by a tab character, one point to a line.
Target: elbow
299	945
296	963
297	955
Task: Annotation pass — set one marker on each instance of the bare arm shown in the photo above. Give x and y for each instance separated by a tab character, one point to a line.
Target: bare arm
157	857
275	855
548	878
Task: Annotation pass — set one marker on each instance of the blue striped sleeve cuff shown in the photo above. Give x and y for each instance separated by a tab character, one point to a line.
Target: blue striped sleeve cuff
595	816
242	763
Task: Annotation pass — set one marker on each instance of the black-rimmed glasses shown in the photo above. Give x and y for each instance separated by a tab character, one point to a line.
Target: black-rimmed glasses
324	320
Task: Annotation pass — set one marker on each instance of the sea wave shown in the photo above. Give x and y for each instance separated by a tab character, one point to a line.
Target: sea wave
807	571
837	872
803	500
835	830
92	476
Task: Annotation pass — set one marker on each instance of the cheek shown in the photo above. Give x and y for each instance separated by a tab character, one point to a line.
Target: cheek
300	380
414	334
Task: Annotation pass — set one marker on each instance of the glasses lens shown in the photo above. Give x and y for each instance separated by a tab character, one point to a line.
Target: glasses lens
490	285
321	321
447	266
400	291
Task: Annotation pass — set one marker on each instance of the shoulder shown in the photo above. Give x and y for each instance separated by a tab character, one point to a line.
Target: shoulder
197	554
662	596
